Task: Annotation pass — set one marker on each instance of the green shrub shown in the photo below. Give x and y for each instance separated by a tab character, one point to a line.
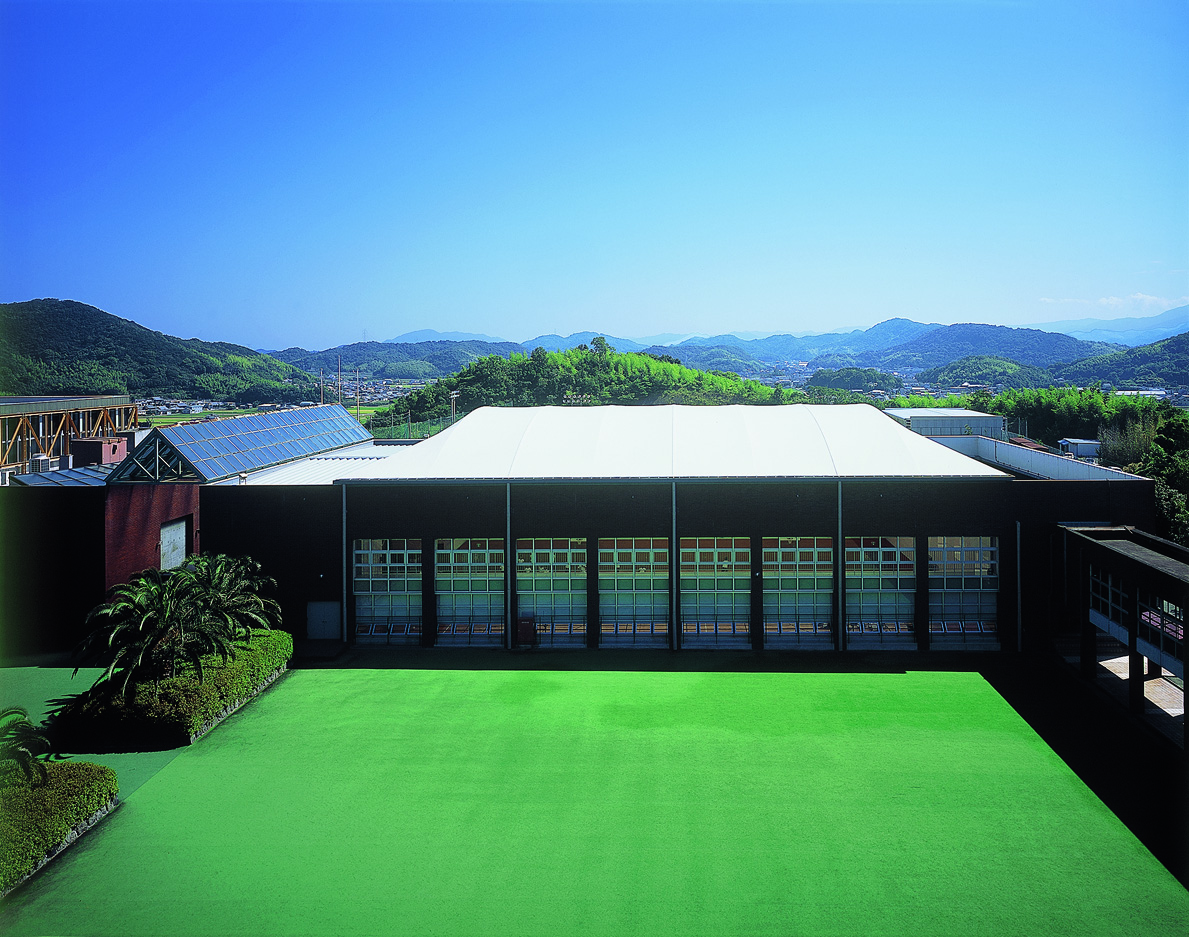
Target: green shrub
37	818
168	712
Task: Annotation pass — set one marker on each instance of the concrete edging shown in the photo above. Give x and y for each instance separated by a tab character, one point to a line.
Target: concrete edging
232	707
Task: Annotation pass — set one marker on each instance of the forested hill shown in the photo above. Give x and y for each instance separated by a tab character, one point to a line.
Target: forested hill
55	346
396	360
547	378
987	369
949	343
1161	364
710	357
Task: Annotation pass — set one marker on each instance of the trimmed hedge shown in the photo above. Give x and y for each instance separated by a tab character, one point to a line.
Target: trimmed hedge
35	820
170	712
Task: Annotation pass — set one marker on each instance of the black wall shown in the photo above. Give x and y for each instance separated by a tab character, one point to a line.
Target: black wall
295	533
51	566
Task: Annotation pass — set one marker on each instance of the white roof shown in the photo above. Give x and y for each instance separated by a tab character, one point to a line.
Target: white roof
319	469
905	413
647	442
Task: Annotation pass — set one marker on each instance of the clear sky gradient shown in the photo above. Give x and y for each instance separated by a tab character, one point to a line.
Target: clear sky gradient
278	174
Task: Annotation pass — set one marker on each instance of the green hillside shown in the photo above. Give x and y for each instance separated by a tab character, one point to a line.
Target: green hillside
397	360
548	378
987	369
53	346
712	357
1161	364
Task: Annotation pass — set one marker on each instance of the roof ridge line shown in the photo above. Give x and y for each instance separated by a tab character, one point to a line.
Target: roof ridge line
825	442
519	443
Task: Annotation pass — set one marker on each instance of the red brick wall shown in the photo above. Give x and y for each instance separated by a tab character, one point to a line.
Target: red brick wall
132	525
99	451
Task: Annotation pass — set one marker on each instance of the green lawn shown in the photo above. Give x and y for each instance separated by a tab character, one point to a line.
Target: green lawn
520	802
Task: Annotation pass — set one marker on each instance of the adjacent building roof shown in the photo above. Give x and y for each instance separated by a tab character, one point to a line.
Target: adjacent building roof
912	413
212	450
15	406
85	476
650	442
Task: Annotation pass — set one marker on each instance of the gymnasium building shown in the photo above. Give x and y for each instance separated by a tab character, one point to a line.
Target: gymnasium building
782	528
798	527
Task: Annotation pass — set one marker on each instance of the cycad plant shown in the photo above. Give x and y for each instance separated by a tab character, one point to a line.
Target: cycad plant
230	590
151	626
24	744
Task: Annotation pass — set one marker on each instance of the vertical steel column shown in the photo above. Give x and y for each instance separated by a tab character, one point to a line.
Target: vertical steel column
1067	604
757	591
839	581
593	621
1019	595
920	609
509	567
674	584
1089	634
429	589
347	570
1135	660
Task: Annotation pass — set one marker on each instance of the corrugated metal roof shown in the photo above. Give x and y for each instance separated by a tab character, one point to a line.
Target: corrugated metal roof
509	443
317	469
86	476
14	406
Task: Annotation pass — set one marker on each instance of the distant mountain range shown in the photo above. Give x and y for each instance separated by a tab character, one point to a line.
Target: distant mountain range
948	343
57	346
1130	331
431	335
772	347
558	343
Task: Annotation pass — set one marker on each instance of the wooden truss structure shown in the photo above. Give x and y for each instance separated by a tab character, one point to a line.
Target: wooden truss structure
38	430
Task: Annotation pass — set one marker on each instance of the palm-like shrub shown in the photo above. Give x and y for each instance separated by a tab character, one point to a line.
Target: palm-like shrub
164	619
230	590
24	744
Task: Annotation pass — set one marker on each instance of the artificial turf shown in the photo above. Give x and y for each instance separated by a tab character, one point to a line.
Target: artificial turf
522	802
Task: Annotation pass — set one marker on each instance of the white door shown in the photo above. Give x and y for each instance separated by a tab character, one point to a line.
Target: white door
173	544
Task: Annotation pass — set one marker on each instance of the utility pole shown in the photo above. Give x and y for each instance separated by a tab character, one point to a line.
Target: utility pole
357	395
453	397
340	380
321	388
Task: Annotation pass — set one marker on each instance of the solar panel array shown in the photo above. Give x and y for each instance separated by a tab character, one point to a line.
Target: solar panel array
222	448
85	476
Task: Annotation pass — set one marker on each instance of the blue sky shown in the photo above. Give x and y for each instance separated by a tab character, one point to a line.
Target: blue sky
278	174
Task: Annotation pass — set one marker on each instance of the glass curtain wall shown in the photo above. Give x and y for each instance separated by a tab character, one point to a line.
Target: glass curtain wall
963	586
469	583
880	590
1108	595
1162	624
387	589
798	591
715	591
634	592
551	588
